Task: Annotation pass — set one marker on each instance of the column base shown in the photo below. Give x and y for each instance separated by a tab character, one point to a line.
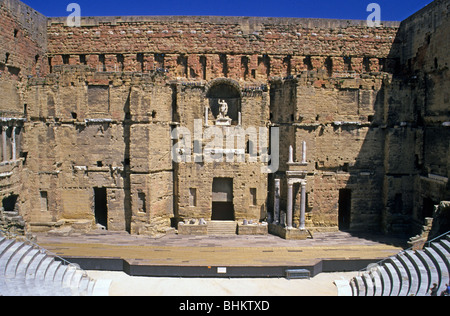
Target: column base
288	233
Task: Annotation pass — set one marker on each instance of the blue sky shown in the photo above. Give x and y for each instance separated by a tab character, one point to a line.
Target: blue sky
391	10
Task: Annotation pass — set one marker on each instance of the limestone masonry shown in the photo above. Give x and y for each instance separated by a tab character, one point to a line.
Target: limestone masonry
93	116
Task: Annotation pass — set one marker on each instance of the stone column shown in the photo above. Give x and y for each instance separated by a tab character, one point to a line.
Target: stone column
304	152
206	116
290	201
13	143
291	154
5	153
276	207
303	206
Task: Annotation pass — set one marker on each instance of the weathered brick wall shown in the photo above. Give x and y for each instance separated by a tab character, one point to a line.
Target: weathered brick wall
417	107
371	104
210	47
23	39
88	130
23	48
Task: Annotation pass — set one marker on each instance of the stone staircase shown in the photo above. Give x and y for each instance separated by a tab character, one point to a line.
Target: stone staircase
29	270
410	273
221	228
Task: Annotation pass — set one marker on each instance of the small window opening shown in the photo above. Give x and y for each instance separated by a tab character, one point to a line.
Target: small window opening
101	207
102	60
121	61
253	197
307	61
192	197
366	64
203	63
140	60
142	206
66	59
224	62
348	63
44	201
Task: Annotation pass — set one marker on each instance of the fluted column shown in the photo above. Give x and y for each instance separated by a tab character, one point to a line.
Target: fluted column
13	144
303	206
276	207
4	147
290	203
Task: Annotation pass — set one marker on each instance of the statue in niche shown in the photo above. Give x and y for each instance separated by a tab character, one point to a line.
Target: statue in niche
223	110
222	118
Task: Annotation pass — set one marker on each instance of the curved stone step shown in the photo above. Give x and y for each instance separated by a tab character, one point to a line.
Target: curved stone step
395	279
444	253
377	283
433	271
34	265
441	267
353	287
16	259
343	287
42	268
360	286
8	252
22	267
49	276
423	274
386	281
403	275
446	244
368	283
413	276
29	271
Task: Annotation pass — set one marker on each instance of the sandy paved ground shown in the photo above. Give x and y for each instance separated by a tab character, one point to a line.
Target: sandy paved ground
125	285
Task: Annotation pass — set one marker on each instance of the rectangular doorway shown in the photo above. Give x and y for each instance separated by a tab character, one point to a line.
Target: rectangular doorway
101	207
345	208
222	200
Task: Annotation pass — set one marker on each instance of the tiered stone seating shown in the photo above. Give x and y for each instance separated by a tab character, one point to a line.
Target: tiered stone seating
27	270
410	273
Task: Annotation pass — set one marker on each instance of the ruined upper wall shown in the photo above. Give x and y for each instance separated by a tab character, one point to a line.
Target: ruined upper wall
240	45
427	29
228	35
23	38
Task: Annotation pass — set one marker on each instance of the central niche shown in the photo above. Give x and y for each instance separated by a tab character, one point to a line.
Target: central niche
225	102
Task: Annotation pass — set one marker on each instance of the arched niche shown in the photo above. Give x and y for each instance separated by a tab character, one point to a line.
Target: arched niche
229	91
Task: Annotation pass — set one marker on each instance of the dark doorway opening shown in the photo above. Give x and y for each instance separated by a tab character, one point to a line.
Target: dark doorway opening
101	206
9	203
428	207
222	196
345	207
222	211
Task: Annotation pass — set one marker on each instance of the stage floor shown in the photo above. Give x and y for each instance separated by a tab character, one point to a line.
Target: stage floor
208	252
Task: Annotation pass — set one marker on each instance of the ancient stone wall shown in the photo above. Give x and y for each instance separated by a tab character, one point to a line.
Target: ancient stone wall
418	138
89	115
88	130
211	47
23	49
